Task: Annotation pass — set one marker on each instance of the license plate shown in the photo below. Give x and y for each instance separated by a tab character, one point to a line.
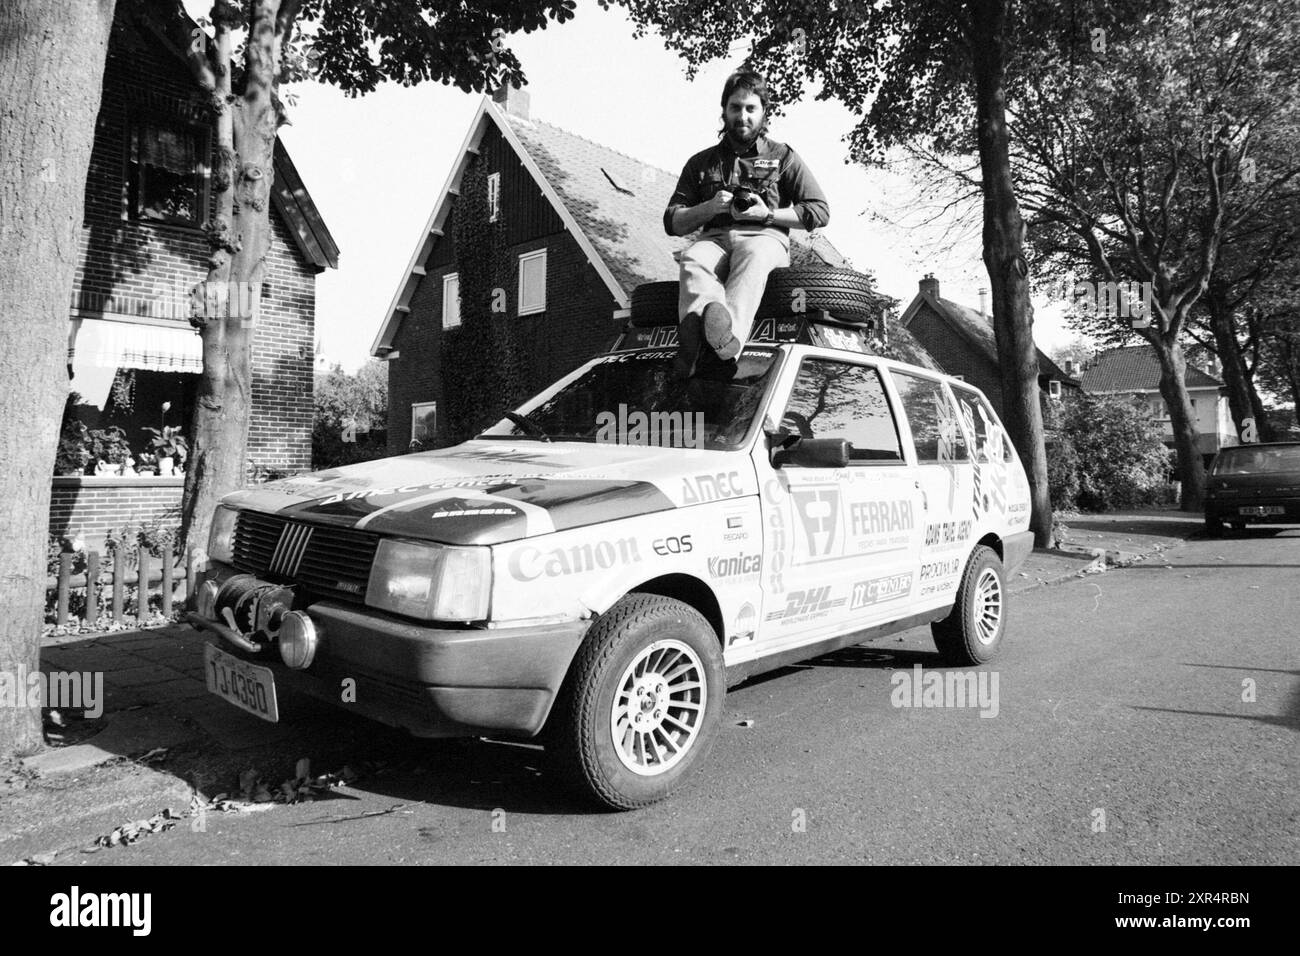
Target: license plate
247	686
1261	511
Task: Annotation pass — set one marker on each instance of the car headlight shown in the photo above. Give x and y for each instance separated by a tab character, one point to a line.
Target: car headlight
433	582
221	540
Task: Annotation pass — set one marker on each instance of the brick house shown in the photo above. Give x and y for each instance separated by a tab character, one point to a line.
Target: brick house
130	346
582	224
961	339
1135	371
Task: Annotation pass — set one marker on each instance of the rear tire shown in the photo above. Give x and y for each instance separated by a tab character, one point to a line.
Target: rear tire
1214	526
973	632
641	704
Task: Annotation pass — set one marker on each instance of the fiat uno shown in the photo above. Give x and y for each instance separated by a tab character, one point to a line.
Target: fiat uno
599	566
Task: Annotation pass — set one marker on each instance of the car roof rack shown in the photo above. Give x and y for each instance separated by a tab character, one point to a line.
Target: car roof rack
811	328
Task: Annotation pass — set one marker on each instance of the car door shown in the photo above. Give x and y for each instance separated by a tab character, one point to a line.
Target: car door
839	541
945	478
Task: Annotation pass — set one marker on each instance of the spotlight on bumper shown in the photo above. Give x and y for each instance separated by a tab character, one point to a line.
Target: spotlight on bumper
298	640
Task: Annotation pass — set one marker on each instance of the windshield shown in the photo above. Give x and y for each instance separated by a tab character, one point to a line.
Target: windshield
1257	460
631	398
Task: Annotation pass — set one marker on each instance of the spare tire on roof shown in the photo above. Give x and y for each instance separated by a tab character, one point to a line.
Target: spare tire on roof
844	293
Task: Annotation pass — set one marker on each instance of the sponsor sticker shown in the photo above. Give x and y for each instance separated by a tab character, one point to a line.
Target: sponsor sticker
818	509
880	590
806	605
735	566
529	563
742	629
700	488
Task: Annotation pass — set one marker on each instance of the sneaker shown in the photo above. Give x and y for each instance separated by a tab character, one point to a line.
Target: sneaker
718	332
689	333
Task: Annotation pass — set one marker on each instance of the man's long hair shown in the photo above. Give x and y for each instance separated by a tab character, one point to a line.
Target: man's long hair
749	82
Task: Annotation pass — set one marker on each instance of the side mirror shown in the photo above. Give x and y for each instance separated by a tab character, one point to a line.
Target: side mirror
814	453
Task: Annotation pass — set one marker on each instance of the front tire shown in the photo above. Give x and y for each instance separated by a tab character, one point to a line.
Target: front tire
973	632
641	704
1213	526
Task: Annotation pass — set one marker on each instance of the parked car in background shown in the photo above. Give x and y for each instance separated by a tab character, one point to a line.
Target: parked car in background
1253	484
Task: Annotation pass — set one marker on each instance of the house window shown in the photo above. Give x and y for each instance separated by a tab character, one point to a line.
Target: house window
1054	388
451	300
494	196
532	282
424	424
167	171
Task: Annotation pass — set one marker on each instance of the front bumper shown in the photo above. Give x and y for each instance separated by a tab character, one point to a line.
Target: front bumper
431	681
1229	509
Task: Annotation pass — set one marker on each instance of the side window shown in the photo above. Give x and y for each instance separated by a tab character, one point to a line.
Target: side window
935	429
982	425
838	400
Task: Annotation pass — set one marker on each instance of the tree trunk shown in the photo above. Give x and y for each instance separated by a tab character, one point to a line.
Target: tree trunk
1243	398
231	298
1182	419
51	77
1013	316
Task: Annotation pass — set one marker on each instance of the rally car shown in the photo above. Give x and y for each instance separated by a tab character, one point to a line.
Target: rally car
599	566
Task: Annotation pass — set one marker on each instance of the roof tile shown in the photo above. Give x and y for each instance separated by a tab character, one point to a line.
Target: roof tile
1135	369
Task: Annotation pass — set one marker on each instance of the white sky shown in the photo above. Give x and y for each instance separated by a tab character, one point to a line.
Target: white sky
375	165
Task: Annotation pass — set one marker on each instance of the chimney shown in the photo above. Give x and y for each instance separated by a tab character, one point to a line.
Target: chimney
511	99
1069	368
984	303
930	285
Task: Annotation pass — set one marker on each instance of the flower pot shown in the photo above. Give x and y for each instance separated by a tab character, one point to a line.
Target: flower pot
165	467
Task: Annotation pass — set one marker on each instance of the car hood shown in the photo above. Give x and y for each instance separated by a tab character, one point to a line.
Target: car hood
488	492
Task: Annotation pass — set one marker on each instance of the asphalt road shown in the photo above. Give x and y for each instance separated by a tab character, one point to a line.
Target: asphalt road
1121	737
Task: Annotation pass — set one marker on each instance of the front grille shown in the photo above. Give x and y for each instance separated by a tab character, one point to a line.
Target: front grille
334	562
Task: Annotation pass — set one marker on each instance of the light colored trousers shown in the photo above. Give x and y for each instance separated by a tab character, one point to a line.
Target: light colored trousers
730	266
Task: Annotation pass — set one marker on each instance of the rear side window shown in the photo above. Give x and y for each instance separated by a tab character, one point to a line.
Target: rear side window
839	400
936	433
982	425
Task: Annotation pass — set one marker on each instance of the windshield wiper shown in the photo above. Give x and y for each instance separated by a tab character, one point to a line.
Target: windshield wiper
528	424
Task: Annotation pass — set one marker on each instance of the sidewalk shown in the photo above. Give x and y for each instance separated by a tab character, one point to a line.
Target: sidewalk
156	703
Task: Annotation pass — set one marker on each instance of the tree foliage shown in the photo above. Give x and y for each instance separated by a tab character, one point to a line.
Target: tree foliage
1141	156
350	412
1106	455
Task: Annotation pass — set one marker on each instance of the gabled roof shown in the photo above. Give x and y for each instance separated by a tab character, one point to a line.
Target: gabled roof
977	330
1135	369
611	203
300	214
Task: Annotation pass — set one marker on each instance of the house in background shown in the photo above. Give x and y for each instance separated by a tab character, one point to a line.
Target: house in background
962	341
582	226
131	347
1135	371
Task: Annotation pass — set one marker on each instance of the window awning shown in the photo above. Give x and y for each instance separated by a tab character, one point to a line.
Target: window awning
102	343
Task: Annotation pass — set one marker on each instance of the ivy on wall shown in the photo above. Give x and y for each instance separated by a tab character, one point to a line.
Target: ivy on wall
483	365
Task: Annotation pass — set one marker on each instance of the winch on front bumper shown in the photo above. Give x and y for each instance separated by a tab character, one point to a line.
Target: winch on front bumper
431	681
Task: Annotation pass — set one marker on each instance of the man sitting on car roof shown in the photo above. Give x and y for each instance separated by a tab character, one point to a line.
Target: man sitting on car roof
748	192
